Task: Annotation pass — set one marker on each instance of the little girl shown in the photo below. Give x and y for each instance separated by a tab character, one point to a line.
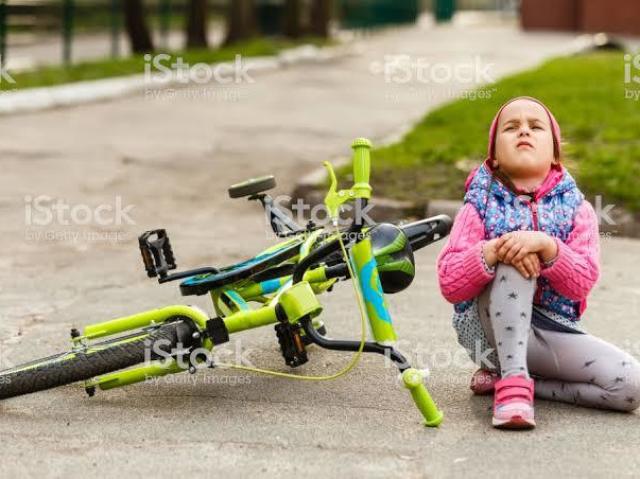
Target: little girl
521	259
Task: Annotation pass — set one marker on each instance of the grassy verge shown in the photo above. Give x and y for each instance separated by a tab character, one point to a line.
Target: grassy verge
601	130
107	68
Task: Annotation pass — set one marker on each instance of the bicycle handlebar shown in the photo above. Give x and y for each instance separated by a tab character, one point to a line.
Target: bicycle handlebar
361	167
323	251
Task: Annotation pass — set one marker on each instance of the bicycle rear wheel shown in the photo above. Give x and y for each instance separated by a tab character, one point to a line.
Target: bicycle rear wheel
98	359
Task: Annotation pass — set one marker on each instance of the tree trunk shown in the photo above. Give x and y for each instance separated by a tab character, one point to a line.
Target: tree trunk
241	21
197	24
136	26
292	25
321	11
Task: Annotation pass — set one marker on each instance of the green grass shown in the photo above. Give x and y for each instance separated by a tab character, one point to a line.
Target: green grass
107	68
601	132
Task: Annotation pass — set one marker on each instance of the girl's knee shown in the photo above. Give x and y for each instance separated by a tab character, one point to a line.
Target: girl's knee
508	272
506	269
627	386
509	276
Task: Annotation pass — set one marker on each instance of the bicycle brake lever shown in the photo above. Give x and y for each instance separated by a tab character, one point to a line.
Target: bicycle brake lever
334	199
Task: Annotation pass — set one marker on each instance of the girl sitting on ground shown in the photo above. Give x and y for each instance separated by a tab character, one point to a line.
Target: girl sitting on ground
520	261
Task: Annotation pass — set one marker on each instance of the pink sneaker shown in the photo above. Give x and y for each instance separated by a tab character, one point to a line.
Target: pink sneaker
513	403
483	382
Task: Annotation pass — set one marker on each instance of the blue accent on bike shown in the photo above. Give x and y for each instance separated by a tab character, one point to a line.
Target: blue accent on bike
228	270
373	295
270	286
242	304
202	284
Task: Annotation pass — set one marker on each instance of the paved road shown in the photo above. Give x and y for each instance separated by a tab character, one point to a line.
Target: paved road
172	158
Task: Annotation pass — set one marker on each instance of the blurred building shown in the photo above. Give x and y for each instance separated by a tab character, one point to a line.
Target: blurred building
612	16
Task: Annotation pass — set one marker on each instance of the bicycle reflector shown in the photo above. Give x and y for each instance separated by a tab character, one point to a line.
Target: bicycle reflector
394	257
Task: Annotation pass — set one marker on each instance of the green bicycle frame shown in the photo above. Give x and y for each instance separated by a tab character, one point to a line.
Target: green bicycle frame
367	271
232	302
297	301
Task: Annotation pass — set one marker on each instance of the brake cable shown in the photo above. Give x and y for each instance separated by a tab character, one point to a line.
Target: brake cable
363	334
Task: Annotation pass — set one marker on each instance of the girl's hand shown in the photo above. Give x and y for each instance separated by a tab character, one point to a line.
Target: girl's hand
529	267
490	252
513	247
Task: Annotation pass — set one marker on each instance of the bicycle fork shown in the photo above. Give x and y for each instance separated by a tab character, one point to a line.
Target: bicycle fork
365	267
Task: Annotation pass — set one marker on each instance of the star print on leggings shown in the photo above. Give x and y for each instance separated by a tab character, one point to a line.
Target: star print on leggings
513	295
588	363
629	399
503	278
523	315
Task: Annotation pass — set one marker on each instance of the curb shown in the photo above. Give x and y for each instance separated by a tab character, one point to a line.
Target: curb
78	93
311	189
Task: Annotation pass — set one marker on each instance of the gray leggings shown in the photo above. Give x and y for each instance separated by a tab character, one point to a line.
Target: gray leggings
571	367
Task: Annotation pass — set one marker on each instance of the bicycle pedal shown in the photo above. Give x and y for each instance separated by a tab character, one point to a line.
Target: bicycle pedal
291	344
157	254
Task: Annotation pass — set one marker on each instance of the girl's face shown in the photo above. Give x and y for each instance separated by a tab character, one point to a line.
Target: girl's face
524	142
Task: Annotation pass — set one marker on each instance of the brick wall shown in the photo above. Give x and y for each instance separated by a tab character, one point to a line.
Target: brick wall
614	16
549	14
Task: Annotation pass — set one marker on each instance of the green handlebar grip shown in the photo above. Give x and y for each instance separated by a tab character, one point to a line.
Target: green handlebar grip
412	379
361	167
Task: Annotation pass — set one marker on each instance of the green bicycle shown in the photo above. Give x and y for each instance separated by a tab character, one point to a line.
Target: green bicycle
279	286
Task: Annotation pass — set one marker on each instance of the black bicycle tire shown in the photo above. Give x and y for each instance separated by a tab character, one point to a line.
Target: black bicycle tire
85	365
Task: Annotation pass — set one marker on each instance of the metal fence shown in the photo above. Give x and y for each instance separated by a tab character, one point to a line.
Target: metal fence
59	21
374	13
53	26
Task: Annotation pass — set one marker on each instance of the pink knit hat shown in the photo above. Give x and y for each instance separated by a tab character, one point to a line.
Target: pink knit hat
555	128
